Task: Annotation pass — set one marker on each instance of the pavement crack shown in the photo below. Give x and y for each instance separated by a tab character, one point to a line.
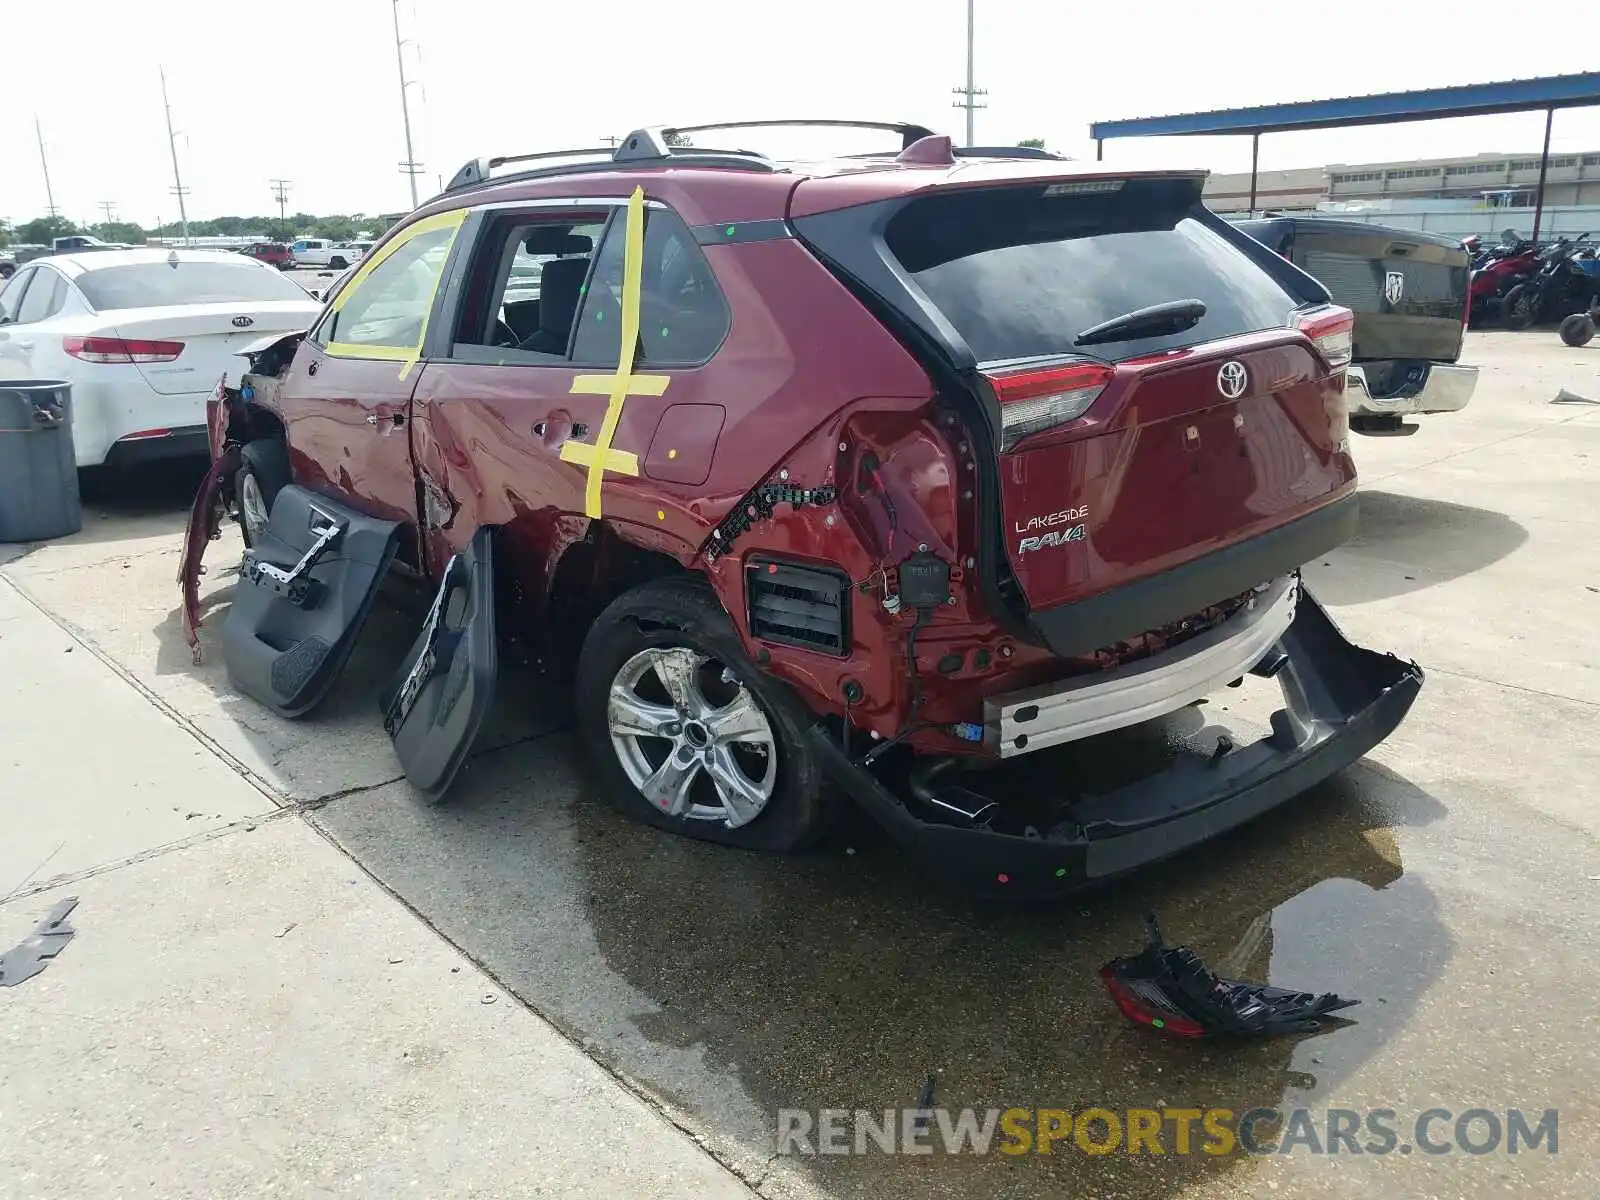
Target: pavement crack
242	825
1515	687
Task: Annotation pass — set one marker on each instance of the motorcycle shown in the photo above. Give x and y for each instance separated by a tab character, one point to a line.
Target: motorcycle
1495	272
1564	284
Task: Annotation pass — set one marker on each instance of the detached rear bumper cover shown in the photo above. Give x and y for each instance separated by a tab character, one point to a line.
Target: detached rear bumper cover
1340	702
1440	388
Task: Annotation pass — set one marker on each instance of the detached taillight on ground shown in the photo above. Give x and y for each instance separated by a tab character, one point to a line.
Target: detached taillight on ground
120	350
1144	1003
1332	331
1044	398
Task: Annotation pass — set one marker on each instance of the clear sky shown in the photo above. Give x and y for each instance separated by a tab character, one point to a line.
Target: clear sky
308	90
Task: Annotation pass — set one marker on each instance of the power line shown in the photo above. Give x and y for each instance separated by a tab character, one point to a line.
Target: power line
969	94
280	189
177	188
107	207
410	167
49	193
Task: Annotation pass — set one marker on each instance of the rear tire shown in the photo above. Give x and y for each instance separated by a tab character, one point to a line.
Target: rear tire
1521	308
337	264
725	749
1578	329
263	472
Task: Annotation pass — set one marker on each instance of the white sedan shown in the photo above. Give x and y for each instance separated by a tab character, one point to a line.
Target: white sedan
142	336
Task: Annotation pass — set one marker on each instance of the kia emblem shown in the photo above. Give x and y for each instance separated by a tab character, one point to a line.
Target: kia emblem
1231	380
243	322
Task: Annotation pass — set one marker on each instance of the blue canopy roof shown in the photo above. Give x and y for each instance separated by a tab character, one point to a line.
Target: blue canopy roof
1470	100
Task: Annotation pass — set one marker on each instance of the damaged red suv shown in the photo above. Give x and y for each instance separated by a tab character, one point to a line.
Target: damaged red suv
857	480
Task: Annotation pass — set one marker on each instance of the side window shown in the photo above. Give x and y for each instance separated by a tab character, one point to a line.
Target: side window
683	317
524	288
386	310
43	298
11	294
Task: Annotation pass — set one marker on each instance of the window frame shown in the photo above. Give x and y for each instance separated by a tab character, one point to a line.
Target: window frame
481	242
617	226
453	219
58	295
26	276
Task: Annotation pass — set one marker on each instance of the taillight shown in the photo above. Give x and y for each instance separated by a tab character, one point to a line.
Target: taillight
1332	331
1142	1001
120	350
1044	398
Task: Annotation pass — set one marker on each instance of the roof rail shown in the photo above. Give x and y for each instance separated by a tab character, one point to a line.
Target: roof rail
477	170
653	144
909	133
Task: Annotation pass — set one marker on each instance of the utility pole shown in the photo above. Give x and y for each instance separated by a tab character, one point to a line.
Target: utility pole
411	168
969	94
49	193
611	141
107	207
280	189
178	189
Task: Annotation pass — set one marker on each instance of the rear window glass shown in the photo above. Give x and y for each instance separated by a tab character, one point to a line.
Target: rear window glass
1020	272
151	285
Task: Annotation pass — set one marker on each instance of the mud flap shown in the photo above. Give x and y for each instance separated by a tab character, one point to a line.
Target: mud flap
437	701
303	595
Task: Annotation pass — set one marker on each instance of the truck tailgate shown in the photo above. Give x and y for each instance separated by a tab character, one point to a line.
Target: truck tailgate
1408	292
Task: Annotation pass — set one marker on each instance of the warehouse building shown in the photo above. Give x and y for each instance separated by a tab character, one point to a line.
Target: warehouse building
1497	180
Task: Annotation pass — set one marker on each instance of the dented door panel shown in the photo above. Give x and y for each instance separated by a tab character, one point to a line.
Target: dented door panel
303	595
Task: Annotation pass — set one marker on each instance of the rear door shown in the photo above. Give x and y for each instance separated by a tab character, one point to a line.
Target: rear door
1408	291
1127	452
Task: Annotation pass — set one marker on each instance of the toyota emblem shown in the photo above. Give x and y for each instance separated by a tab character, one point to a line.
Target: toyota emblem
242	322
1231	380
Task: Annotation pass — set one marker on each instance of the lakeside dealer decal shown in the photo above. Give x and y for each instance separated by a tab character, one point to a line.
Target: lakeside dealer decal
1213	1132
1051	529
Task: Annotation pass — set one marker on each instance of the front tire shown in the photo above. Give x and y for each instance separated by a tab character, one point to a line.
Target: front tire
337	264
1521	308
686	735
263	472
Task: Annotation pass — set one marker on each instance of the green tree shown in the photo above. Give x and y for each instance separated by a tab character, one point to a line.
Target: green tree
5	233
41	231
120	231
1032	143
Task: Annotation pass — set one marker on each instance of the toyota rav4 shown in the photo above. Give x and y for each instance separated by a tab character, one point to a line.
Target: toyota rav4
848	480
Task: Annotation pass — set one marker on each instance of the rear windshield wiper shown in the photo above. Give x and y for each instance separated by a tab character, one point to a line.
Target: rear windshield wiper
1174	316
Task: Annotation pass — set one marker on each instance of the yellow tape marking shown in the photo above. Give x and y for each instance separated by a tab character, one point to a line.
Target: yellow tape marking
407	356
600	457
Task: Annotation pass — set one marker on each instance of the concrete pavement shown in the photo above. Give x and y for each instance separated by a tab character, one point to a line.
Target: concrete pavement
244	1011
1448	881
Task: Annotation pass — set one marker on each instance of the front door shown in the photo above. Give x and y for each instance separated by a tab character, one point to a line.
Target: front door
346	399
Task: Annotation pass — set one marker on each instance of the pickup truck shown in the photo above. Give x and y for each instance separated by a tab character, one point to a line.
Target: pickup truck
1409	293
78	243
324	252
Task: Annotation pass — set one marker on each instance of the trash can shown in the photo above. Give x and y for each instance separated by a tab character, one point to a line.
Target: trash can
38	464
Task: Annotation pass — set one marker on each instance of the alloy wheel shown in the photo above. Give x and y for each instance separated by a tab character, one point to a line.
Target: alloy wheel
252	507
691	737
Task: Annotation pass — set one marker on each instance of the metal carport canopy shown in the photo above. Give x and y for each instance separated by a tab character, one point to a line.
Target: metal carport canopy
1469	100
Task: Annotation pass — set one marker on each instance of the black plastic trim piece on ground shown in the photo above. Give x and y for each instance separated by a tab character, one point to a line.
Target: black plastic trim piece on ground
1091	624
1340	701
